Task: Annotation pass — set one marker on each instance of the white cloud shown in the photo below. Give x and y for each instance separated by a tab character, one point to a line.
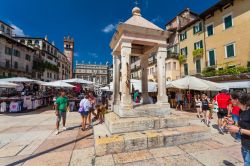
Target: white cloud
76	54
17	31
93	54
109	28
157	19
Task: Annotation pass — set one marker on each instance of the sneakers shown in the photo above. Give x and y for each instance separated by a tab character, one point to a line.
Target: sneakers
221	130
57	132
64	128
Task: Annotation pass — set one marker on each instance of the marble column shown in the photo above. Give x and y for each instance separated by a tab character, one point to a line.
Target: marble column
116	79
126	101
144	80
161	75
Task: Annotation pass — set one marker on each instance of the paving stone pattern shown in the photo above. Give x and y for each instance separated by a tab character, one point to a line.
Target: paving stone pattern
28	139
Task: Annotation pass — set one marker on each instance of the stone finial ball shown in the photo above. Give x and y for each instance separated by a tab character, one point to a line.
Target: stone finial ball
136	11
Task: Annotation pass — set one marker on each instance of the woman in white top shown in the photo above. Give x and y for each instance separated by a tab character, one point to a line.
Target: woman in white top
198	105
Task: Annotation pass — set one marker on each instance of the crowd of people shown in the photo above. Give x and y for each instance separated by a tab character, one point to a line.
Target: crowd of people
89	105
233	112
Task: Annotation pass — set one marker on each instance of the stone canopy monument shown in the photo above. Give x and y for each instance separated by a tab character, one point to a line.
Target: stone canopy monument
138	37
128	127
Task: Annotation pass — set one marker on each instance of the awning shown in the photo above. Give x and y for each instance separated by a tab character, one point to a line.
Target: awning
190	82
237	84
59	84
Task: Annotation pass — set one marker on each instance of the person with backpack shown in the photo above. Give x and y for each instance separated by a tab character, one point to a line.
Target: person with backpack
84	110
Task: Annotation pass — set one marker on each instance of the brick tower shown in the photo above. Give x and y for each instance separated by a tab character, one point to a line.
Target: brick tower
69	52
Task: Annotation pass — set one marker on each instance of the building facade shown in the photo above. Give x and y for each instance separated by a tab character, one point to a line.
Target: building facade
191	45
45	61
16	59
49	64
64	66
92	72
184	18
227	34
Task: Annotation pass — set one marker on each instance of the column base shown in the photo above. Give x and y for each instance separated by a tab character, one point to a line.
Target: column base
162	100
146	99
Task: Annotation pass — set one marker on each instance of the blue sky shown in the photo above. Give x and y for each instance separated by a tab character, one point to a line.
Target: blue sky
90	22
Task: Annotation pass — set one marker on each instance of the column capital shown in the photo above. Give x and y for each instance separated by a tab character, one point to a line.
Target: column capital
126	45
162	48
116	53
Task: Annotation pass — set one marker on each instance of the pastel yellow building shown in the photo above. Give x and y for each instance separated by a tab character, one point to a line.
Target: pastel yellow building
227	34
191	39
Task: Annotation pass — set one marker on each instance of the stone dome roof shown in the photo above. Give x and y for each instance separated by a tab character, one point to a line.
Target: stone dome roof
138	20
136	11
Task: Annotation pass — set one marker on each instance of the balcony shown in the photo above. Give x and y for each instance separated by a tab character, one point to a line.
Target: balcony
172	55
198	53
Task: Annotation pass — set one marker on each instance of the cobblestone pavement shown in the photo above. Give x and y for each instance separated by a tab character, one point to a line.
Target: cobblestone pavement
29	139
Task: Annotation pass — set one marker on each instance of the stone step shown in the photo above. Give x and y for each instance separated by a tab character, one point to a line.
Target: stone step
116	124
117	143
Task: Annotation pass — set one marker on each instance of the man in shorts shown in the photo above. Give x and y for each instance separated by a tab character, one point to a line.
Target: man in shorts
179	99
222	99
61	110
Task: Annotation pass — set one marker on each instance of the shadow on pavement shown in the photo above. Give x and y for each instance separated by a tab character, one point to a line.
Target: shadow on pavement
228	163
47	151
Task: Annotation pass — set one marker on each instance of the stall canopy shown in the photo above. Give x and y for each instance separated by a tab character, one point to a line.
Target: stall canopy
5	84
59	84
137	85
237	84
106	88
18	79
78	81
193	83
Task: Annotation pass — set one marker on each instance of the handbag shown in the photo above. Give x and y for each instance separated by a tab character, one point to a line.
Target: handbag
81	109
216	106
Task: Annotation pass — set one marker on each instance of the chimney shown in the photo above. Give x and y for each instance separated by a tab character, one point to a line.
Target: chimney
46	38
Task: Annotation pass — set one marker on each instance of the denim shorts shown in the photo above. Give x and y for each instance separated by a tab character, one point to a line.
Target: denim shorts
85	113
246	156
61	115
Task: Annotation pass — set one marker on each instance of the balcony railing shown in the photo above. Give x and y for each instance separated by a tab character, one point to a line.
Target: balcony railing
172	55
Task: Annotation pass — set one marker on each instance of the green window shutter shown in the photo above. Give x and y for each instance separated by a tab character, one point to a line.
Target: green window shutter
230	50
186	69
201	44
193	29
185	35
186	49
194	46
228	22
211	58
210	30
198	66
200	27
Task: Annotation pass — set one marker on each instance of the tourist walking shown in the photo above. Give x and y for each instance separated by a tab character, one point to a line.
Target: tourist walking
198	105
242	100
61	110
223	102
205	109
179	99
84	110
172	99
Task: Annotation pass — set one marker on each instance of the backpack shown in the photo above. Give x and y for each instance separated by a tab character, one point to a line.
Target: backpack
81	109
216	106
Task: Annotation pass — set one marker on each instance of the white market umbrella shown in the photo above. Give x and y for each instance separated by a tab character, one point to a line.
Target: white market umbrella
106	88
58	84
78	81
152	86
5	84
190	82
17	79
